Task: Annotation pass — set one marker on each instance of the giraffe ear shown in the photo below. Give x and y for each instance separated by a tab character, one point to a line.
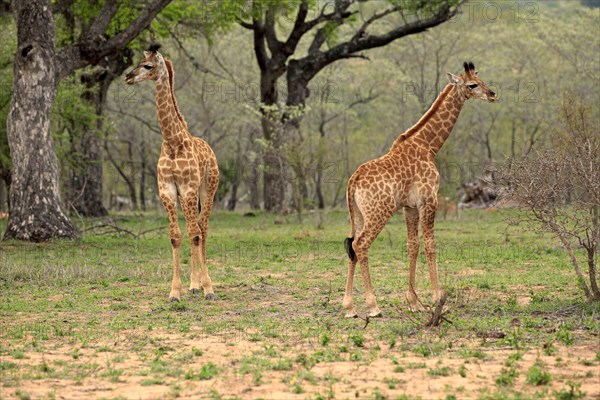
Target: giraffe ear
453	79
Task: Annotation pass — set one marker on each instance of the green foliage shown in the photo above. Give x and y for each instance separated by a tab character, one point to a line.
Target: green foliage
537	376
574	392
206	372
507	376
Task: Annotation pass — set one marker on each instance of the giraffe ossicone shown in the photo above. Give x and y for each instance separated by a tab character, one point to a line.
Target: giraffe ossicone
187	170
406	177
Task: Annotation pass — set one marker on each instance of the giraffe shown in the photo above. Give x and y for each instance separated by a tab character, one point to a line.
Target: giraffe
187	167
406	177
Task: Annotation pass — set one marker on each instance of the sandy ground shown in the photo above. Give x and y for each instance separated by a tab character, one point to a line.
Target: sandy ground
376	378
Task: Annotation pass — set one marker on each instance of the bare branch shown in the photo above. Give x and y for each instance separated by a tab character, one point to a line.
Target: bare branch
92	49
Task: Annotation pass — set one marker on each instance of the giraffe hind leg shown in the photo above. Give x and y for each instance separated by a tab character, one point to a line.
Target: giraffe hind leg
371	228
347	303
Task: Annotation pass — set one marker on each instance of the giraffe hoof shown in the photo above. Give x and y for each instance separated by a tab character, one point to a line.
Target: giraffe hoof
376	315
194	291
210	297
173	299
351	315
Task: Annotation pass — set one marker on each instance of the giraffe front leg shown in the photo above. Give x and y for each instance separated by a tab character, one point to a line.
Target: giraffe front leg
189	204
168	196
175	294
428	219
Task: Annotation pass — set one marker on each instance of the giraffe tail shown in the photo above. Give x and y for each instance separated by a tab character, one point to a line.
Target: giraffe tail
349	249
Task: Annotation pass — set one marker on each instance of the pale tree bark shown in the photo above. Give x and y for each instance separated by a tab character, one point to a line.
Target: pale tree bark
36	212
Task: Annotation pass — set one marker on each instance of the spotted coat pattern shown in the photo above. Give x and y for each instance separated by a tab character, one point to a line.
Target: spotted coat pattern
406	177
187	171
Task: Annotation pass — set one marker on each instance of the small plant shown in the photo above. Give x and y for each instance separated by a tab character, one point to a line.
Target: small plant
297	389
423	349
377	395
197	352
507	376
325	339
572	394
564	335
416	365
392	383
282	365
439	371
357	339
22	395
207	372
462	371
549	348
399	368
537	376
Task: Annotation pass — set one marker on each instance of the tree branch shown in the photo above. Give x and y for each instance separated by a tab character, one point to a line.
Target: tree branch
357	44
270	34
91	49
101	22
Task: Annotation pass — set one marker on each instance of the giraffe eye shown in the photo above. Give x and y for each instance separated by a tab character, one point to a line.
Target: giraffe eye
148	66
472	86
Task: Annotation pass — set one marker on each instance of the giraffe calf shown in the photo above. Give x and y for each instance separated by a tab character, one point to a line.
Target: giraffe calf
406	177
187	168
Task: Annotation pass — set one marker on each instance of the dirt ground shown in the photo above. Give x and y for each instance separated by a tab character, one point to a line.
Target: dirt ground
346	379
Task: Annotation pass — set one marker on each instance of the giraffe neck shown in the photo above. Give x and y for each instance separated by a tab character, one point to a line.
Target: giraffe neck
172	125
435	126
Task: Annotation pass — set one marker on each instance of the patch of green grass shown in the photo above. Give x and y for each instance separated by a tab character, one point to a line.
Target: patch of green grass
357	339
197	352
565	335
112	374
206	372
572	393
507	377
439	371
282	365
152	382
71	299
537	376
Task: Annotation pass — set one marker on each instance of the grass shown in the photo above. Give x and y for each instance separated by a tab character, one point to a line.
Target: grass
98	306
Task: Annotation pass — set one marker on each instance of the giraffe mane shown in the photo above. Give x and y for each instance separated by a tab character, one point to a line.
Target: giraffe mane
169	65
436	104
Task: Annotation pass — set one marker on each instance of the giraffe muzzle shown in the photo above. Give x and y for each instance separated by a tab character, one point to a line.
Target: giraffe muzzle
129	78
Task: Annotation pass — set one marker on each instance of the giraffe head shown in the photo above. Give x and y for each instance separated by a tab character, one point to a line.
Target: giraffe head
151	67
469	84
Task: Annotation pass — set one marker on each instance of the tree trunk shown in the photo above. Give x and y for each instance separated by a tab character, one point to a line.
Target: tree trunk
36	213
85	186
2	195
274	181
85	182
143	166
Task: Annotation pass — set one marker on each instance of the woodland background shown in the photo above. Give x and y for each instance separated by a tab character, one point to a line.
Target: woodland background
530	53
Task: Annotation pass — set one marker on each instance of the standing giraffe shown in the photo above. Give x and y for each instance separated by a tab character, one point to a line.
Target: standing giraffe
406	177
187	167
